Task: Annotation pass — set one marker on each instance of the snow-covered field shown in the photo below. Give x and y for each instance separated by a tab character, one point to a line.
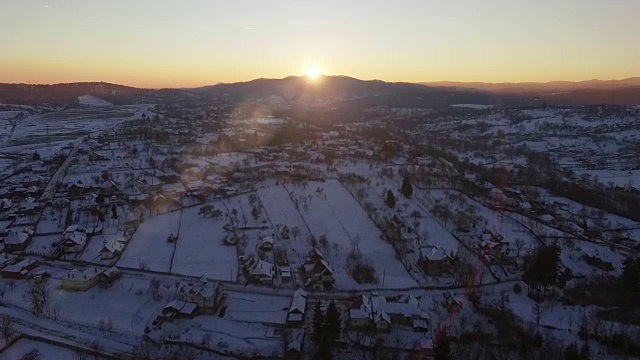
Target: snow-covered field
472	106
200	249
149	247
47	351
92	101
127	304
333	212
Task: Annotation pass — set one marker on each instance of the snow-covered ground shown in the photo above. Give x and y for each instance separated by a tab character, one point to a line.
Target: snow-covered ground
92	101
149	247
472	106
333	212
200	250
46	351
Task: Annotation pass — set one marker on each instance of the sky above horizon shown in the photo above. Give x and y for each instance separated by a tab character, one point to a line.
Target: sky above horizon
161	43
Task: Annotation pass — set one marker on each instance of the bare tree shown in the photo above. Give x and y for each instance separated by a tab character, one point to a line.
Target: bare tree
295	232
38	296
32	355
335	247
539	311
154	289
7	324
323	242
518	244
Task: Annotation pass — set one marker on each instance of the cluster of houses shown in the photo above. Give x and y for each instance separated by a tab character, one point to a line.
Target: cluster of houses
85	279
13	268
295	321
379	312
192	297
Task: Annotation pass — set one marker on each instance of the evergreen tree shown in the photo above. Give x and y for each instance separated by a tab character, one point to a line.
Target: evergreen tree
36	156
323	352
542	266
332	322
442	349
318	323
69	220
585	352
631	272
571	352
390	200
407	188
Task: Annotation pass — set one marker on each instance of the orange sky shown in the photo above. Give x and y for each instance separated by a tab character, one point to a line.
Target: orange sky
161	43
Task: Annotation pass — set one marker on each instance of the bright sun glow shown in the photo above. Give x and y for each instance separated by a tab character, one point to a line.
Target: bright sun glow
313	71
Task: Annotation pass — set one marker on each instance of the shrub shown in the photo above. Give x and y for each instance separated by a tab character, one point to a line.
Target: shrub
517	288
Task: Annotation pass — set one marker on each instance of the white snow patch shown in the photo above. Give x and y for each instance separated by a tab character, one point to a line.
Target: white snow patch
92	101
472	106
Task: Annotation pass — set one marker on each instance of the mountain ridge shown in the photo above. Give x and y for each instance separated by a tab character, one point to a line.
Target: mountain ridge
303	91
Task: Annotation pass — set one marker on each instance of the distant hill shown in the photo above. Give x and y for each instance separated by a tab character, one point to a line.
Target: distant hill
68	94
620	92
526	87
299	90
302	92
290	91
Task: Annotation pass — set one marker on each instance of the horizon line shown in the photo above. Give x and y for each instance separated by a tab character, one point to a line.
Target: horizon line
322	75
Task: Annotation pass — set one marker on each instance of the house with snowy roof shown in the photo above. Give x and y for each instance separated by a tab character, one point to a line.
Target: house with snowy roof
81	280
368	312
73	242
260	271
295	315
434	260
17	240
112	249
201	292
19	270
295	345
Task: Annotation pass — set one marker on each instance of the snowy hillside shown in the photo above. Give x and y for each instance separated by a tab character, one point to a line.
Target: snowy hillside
92	101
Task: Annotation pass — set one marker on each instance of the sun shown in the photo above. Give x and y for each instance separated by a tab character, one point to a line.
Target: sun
313	71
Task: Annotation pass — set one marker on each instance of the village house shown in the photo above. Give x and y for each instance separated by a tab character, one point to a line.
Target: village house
404	309
266	244
434	260
76	189
494	249
295	345
77	280
451	302
112	249
295	315
179	308
318	272
73	242
109	276
259	271
367	312
6	260
201	292
173	189
19	270
134	185
109	187
18	240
